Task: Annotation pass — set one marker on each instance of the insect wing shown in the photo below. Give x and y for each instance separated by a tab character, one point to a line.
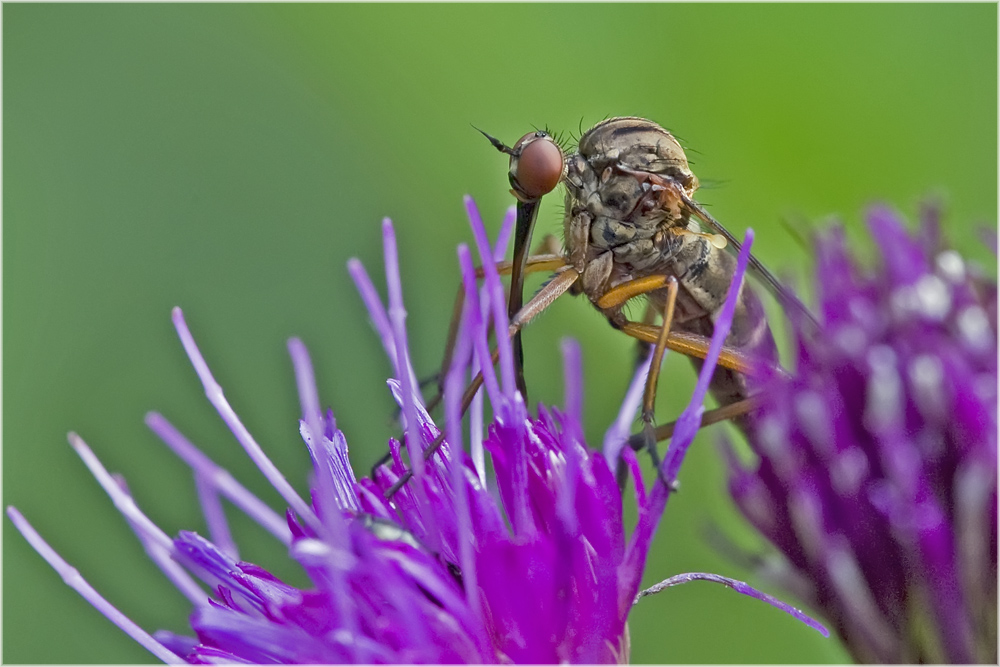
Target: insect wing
784	296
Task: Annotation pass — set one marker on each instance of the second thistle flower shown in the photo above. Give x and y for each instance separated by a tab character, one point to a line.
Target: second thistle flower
877	460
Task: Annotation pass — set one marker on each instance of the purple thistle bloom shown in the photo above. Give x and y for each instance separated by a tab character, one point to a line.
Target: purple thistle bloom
877	470
530	565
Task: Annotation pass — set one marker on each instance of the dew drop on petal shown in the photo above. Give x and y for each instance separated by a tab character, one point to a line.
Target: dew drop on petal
926	376
974	327
933	297
807	519
904	301
884	403
851	340
810	410
848	470
950	266
928	297
771	436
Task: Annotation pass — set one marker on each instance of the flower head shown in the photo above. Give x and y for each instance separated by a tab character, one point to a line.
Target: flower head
531	564
877	468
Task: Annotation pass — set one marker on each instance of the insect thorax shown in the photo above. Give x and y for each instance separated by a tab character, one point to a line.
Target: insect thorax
610	193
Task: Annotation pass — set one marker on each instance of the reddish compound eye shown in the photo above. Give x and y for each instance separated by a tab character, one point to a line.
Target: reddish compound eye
539	164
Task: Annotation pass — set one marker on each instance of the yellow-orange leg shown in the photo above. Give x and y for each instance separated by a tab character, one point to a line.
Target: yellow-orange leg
643	349
688	344
691	345
649	394
662	337
619	294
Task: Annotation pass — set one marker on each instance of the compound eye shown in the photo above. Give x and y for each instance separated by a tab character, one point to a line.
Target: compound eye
539	165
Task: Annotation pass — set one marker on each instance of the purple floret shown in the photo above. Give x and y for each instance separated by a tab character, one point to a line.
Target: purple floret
877	460
531	563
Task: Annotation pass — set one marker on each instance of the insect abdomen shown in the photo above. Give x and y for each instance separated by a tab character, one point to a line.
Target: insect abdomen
749	333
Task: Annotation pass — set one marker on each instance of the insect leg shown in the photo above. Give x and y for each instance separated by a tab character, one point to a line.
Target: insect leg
649	394
533	264
619	294
642	348
664	431
689	344
693	345
549	292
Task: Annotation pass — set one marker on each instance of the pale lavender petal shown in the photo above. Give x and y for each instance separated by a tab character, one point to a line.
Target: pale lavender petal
572	434
739	587
332	470
573	384
179	644
618	433
503	236
476	327
122	500
496	294
632	463
372	301
476	426
305	380
163	557
237	494
215	515
73	579
423	418
453	389
215	396
404	371
476	409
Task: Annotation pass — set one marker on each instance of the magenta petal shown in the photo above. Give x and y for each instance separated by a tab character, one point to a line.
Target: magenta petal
530	564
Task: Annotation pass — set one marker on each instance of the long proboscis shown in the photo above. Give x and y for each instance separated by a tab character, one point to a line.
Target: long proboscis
527	213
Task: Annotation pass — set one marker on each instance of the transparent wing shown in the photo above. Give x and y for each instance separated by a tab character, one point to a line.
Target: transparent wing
761	272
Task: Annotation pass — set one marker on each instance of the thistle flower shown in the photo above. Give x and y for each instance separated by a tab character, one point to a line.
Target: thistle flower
532	564
877	459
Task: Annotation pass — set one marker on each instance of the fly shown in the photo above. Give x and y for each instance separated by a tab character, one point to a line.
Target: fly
632	228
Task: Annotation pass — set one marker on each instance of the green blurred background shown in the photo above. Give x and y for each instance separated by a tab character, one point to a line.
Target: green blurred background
230	159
